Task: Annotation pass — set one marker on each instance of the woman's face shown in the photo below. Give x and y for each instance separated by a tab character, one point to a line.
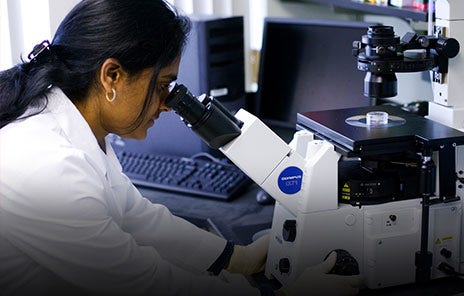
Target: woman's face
130	99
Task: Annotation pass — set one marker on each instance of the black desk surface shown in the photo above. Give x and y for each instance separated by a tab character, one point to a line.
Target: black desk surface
241	217
237	219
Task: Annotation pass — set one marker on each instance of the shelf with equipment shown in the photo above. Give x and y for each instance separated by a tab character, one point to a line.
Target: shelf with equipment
405	13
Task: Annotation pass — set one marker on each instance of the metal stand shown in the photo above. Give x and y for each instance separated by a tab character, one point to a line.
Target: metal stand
423	259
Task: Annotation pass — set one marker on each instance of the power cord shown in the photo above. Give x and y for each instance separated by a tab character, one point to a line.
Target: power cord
209	157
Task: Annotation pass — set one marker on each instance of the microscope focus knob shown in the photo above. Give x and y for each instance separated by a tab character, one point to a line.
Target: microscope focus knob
289	230
284	265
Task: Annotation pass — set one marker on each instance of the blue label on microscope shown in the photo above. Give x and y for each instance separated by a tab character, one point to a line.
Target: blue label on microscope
290	180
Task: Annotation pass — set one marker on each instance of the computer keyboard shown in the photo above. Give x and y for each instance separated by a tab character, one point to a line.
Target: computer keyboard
202	177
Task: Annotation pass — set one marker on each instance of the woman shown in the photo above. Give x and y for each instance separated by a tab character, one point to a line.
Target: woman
70	221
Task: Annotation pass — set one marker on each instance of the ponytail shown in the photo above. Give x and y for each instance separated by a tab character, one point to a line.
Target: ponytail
25	85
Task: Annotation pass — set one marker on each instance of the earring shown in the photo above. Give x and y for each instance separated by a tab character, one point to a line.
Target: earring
113	97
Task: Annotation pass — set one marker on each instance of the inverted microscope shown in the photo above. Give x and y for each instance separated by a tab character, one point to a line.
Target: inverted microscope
383	184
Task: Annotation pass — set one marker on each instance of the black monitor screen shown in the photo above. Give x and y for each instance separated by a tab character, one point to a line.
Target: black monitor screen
308	65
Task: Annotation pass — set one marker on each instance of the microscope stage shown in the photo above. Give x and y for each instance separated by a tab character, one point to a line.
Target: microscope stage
405	131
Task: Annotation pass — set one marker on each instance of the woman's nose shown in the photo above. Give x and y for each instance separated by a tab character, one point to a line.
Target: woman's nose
164	107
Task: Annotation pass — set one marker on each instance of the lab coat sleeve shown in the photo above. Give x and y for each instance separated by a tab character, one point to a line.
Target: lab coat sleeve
174	238
56	212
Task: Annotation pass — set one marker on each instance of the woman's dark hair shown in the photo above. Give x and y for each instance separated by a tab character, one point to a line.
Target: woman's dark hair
140	34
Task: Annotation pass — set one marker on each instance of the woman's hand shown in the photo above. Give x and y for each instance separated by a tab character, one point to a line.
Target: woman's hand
251	258
316	280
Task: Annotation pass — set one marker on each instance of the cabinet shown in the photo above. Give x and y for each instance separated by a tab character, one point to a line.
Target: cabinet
405	13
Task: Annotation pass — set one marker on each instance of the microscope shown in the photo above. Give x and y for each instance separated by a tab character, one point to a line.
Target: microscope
380	53
379	182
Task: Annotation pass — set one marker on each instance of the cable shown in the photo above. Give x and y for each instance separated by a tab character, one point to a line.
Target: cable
208	156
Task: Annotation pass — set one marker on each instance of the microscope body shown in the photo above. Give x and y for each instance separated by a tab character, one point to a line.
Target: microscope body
310	216
385	237
309	220
382	238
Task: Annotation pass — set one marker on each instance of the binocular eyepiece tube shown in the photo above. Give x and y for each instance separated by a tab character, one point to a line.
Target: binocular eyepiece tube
206	116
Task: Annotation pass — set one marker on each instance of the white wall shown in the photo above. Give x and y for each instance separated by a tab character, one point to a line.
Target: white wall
25	23
28	24
58	10
5	49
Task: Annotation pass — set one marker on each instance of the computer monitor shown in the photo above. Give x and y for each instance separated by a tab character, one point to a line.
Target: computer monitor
308	65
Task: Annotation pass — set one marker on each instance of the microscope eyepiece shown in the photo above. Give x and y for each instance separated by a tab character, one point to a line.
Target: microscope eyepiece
206	116
185	104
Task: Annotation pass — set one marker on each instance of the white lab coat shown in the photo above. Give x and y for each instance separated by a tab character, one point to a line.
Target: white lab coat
70	217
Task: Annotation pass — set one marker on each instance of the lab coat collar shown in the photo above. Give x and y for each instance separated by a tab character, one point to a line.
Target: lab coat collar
75	126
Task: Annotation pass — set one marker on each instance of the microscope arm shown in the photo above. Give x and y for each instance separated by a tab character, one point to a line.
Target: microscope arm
448	106
301	175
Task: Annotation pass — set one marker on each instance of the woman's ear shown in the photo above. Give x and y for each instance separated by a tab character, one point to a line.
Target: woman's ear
111	73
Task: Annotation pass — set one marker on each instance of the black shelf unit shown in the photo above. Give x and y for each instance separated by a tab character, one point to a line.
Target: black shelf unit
405	13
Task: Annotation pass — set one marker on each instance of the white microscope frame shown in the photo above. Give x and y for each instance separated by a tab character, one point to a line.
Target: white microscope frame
448	89
448	106
316	159
303	178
